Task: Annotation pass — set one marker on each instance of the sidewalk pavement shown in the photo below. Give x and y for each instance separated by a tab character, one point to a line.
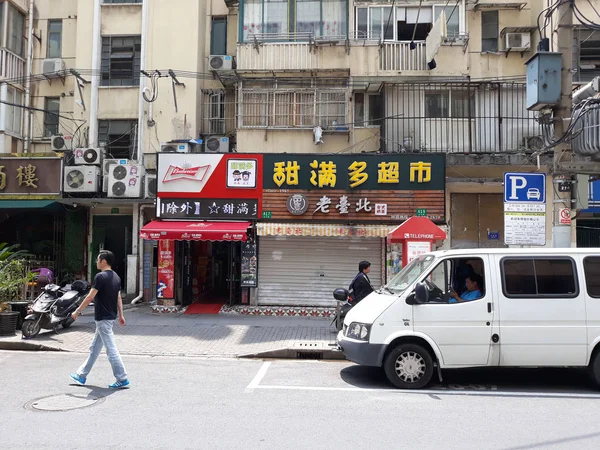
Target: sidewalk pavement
221	335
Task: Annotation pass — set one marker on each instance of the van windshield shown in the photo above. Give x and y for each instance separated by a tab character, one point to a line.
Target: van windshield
409	274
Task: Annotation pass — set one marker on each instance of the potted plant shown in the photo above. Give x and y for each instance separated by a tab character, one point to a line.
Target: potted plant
12	279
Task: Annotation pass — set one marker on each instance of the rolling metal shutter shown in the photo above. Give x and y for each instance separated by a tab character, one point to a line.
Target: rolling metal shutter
294	271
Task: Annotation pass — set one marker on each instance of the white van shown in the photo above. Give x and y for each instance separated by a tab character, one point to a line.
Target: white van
480	307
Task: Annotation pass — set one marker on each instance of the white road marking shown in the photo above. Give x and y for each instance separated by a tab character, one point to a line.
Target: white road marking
258	377
432	391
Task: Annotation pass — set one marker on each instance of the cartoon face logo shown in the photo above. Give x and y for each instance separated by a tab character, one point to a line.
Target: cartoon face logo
237	176
245	176
133	171
132	182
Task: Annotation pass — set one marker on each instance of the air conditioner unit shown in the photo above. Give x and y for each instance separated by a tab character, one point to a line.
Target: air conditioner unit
533	143
61	143
220	62
106	164
175	147
125	181
92	156
53	67
518	41
81	179
216	144
150	186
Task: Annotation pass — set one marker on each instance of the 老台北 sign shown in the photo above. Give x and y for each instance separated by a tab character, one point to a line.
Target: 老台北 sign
353	187
30	176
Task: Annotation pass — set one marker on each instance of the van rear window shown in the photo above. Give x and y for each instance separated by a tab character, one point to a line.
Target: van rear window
591	268
539	277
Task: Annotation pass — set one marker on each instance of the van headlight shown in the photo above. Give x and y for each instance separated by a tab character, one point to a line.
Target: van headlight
359	331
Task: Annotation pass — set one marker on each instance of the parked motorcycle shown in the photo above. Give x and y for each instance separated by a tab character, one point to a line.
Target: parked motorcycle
344	304
54	307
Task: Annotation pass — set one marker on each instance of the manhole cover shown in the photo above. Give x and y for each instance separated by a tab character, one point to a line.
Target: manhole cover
63	402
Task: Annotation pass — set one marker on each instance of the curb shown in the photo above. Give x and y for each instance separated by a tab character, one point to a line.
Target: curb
27	346
326	354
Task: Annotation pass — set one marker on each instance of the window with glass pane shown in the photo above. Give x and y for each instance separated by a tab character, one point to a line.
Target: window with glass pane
591	268
555	277
359	109
519	278
334	18
54	38
362	23
308	17
332	109
376	23
252	18
121	60
51	119
489	31
375	109
437	104
118	137
461	109
16	28
452	19
275	16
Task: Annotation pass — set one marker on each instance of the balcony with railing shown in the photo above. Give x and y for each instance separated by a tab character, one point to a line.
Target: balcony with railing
12	67
292	52
459	117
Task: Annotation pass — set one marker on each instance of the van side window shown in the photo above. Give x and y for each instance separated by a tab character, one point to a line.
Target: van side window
539	277
591	268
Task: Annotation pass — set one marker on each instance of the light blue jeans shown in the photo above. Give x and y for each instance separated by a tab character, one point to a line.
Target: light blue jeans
104	337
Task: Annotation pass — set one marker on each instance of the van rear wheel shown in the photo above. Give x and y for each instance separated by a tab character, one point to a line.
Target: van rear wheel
409	366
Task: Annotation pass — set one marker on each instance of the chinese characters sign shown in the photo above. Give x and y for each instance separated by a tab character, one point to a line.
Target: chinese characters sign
249	264
376	205
166	269
33	176
241	173
354	172
184	208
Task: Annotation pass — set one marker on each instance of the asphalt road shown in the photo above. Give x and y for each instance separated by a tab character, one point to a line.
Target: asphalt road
226	403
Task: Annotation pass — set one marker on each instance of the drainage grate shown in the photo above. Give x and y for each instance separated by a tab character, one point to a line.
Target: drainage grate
309	355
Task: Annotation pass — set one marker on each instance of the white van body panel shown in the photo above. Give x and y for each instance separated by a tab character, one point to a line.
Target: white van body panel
497	329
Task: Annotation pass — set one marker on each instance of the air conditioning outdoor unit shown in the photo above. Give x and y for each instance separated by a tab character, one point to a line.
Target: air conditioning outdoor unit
125	181
61	143
175	147
518	41
53	67
106	164
216	144
81	179
92	156
150	186
533	143
220	62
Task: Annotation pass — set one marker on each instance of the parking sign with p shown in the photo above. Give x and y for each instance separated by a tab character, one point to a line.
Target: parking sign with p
524	187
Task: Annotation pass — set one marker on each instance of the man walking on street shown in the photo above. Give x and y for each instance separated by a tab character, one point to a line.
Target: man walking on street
106	290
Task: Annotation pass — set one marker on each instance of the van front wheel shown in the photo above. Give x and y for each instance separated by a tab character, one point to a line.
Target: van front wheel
409	366
595	369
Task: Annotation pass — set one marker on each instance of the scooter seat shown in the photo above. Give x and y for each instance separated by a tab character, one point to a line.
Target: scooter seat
68	297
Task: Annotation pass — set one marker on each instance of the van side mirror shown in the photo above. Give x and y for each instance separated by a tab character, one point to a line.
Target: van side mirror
411	300
421	293
341	294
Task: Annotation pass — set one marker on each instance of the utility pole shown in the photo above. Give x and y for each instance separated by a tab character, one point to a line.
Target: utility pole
562	234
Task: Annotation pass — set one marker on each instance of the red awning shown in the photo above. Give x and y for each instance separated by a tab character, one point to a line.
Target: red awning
195	231
417	229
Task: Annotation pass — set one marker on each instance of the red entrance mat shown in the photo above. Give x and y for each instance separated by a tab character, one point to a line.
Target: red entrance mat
204	308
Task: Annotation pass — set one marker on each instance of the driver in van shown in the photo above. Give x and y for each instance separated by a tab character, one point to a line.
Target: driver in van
473	292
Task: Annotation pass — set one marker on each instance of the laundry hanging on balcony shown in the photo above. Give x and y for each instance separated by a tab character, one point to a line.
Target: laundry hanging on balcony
434	40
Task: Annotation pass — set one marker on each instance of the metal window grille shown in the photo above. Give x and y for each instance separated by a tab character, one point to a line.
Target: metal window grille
301	108
120	64
118	138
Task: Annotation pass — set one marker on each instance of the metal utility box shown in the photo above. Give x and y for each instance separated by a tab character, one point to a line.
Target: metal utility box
543	80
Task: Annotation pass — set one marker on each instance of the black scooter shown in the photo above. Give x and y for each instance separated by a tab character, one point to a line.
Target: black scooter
54	307
344	304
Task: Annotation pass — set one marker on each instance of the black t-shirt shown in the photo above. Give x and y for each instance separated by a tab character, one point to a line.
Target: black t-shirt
108	285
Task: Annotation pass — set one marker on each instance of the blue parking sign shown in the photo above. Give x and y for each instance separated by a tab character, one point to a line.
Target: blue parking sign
524	187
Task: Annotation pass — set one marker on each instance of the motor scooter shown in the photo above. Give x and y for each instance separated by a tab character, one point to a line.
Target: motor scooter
344	304
53	307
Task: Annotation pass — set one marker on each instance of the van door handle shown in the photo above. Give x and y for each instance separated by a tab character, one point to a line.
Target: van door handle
489	307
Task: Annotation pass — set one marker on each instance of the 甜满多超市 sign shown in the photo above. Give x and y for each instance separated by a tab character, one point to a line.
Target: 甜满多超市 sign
353	187
354	172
